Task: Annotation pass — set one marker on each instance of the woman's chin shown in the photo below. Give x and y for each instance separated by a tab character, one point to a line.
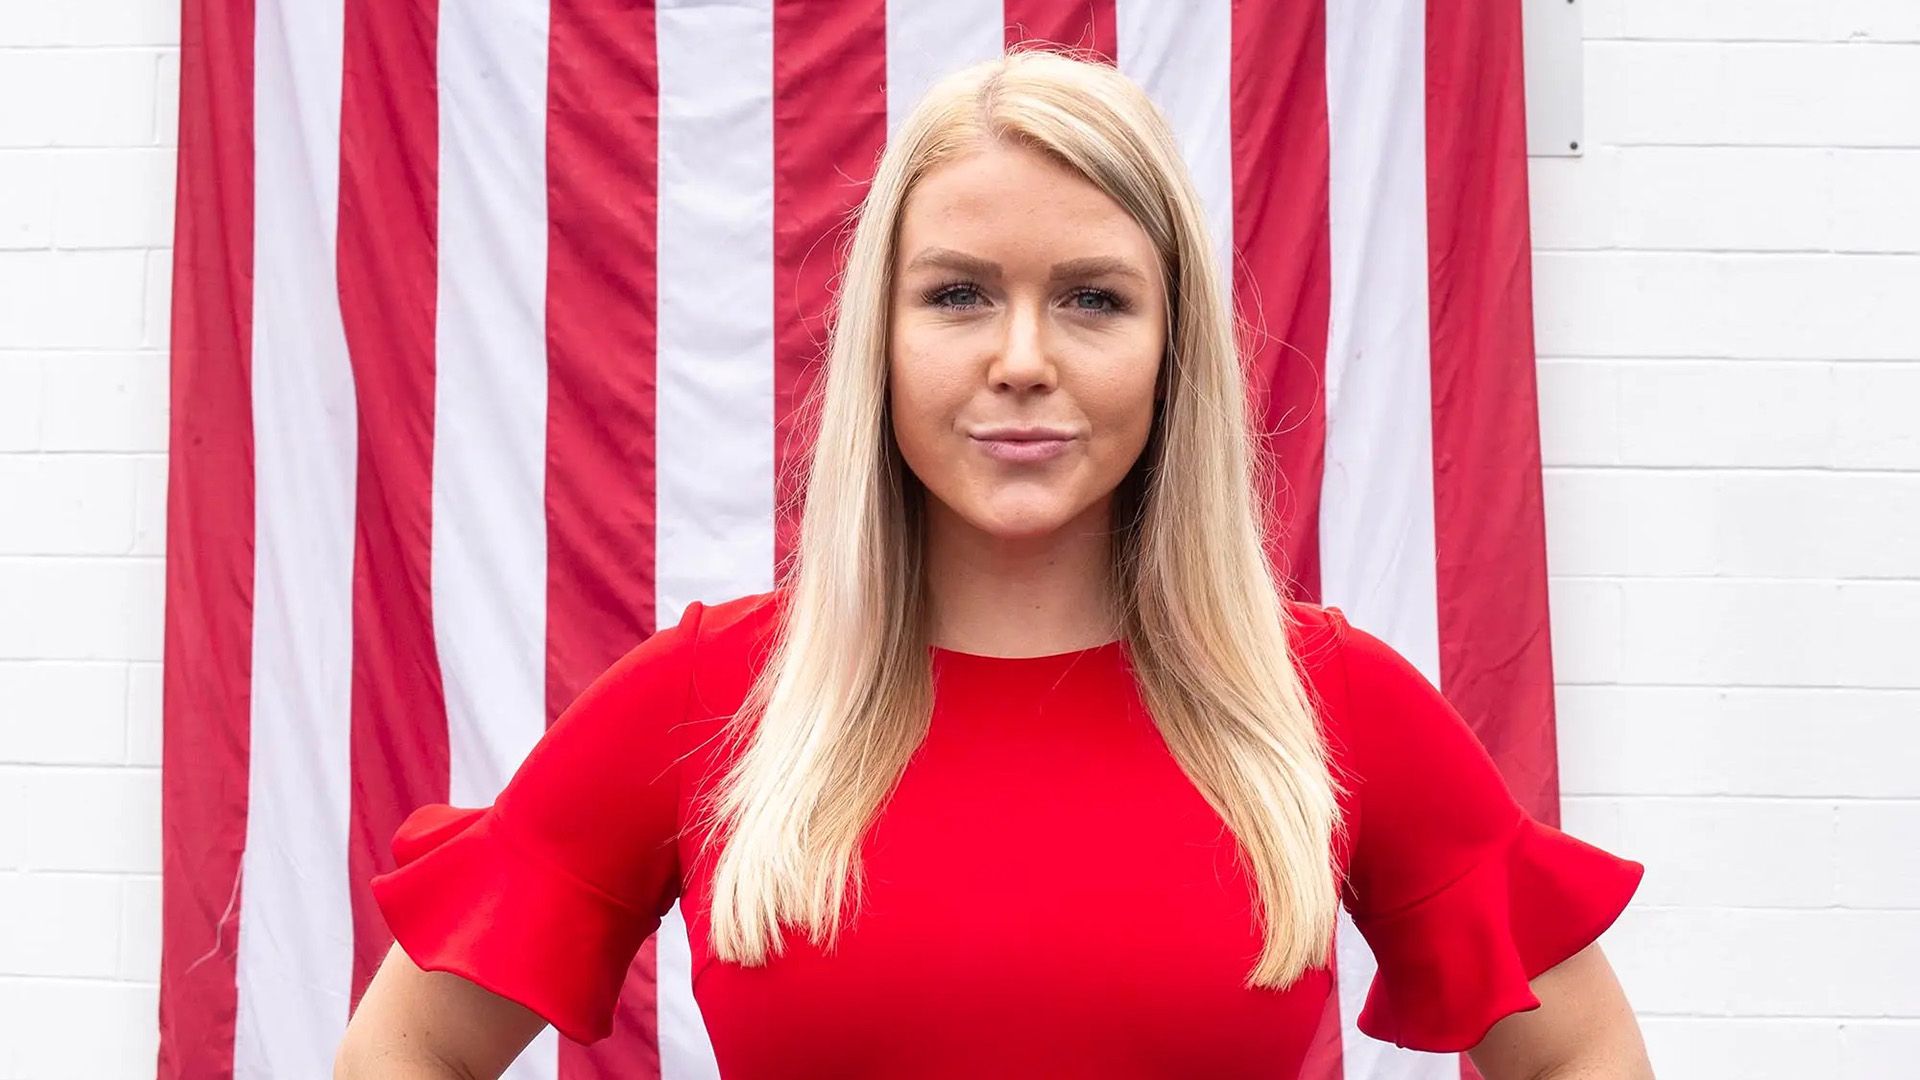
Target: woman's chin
1022	522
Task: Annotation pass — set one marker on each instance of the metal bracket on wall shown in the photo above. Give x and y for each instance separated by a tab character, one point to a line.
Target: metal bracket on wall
1551	29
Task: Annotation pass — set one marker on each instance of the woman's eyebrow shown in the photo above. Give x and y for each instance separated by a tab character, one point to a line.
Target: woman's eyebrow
1095	266
954	260
1090	266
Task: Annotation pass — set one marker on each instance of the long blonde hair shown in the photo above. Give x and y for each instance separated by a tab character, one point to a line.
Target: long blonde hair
845	697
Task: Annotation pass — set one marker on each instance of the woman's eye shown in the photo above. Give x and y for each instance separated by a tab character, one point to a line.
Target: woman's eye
943	297
1113	302
962	296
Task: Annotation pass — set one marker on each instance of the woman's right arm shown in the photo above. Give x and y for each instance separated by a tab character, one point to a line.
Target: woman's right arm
530	911
431	1025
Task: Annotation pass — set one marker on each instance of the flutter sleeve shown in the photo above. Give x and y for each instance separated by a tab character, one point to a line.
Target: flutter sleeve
1461	894
545	896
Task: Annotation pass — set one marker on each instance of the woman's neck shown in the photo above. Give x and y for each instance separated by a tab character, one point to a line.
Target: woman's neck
1030	596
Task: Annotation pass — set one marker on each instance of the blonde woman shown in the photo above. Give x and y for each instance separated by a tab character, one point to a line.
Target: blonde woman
1029	768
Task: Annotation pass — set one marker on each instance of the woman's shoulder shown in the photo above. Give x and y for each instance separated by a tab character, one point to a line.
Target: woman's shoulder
733	634
1379	712
737	619
1314	633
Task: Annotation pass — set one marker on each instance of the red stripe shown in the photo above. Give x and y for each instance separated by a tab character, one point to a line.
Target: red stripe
389	149
208	668
1282	275
1282	286
1494	648
1077	24
1495	656
1489	523
602	199
829	126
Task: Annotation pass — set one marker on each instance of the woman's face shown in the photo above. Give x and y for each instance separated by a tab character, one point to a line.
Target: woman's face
1028	324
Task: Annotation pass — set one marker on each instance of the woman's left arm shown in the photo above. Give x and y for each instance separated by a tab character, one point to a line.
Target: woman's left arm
1583	1030
1463	895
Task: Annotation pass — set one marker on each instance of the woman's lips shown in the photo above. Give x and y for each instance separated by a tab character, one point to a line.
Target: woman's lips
1023	450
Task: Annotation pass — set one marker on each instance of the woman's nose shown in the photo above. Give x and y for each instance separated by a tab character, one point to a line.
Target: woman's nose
1023	360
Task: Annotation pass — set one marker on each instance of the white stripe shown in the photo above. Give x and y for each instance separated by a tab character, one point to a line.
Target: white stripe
1376	525
295	950
1182	54
490	404
927	41
714	409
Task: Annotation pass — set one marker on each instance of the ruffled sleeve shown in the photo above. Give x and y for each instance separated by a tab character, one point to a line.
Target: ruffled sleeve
1462	896
545	896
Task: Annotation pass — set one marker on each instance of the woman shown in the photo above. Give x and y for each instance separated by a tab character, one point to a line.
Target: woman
1029	768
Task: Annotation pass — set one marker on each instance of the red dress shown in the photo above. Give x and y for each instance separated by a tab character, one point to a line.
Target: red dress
1048	894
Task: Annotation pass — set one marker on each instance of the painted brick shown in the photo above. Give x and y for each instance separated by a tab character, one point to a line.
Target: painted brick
105	401
83	609
1738	741
78	1029
1727	523
63	713
1753	632
119	198
59	924
92	22
81	97
79	504
72	299
1773	1048
91	819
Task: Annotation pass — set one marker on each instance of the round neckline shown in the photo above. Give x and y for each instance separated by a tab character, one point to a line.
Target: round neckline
1041	660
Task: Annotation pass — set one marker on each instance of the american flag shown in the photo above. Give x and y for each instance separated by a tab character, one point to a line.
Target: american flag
490	324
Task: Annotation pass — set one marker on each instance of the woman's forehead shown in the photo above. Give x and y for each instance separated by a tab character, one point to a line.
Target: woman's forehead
1016	204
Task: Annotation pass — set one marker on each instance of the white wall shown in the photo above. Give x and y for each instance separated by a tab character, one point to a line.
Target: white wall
1728	312
87	130
1728	307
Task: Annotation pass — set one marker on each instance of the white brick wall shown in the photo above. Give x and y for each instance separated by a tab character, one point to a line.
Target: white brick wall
1727	287
1728	311
87	127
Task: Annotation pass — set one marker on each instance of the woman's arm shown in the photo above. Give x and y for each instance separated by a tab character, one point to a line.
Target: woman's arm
1583	1030
430	1025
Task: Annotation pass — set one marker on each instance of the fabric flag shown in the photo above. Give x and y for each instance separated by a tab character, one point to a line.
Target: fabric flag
490	323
